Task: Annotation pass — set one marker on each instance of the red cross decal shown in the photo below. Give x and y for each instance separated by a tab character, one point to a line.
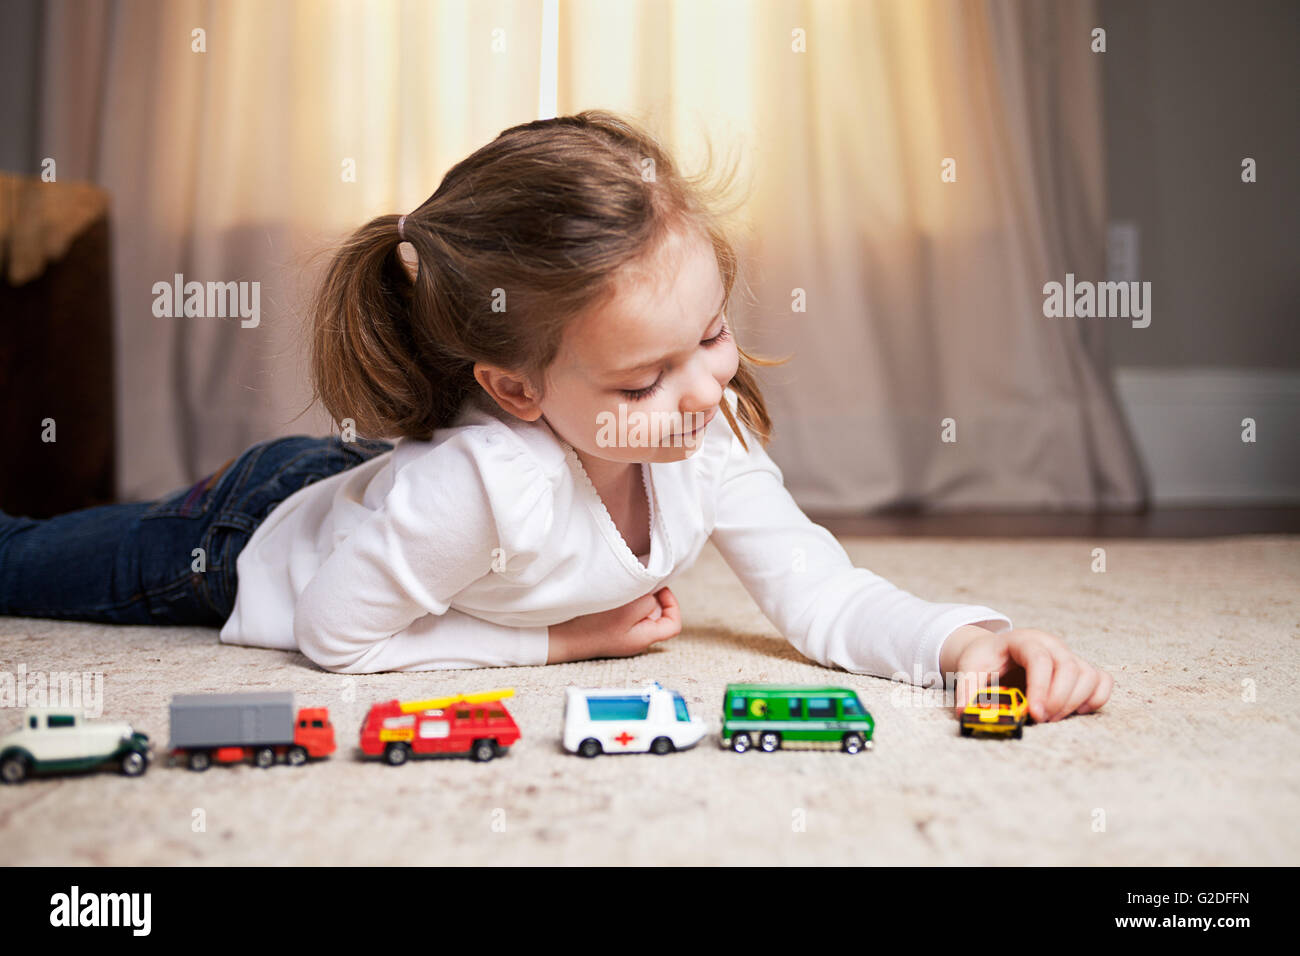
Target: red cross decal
625	738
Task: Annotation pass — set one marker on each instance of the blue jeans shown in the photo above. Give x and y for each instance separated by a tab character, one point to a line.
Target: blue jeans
135	563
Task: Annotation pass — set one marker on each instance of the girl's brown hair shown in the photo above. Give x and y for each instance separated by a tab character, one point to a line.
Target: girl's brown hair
545	217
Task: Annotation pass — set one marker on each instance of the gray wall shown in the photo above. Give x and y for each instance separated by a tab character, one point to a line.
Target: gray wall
20	31
1192	87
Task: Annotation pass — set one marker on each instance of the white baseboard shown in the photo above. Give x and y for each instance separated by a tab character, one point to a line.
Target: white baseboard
1187	424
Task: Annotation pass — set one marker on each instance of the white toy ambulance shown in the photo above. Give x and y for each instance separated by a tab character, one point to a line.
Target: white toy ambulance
645	719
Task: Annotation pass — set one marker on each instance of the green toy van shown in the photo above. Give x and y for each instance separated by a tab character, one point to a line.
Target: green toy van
778	716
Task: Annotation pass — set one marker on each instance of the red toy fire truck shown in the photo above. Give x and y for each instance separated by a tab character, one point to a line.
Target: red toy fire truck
475	725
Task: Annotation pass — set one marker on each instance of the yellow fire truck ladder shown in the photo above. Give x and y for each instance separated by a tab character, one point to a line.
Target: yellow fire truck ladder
438	703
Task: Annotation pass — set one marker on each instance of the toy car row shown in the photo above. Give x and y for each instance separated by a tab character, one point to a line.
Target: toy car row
265	728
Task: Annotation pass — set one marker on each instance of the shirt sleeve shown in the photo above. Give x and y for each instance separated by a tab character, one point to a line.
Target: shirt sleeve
453	640
381	600
803	580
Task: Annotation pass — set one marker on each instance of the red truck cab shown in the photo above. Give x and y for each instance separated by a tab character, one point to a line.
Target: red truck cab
314	731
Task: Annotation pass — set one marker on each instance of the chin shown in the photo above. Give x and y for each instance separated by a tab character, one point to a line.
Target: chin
678	452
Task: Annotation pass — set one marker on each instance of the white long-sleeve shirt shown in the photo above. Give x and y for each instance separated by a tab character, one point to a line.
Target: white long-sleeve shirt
461	551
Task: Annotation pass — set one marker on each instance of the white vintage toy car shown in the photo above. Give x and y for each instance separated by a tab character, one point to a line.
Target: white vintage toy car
57	740
628	720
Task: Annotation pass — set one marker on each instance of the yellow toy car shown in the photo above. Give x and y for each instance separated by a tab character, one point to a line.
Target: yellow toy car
996	710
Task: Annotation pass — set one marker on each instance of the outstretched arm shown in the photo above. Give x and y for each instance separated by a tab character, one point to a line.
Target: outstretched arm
803	580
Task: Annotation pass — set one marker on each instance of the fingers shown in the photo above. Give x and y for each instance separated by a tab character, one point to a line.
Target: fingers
649	632
653	605
1074	684
643	607
669	606
1039	664
670	623
1058	682
661	621
1064	675
1099	695
1084	685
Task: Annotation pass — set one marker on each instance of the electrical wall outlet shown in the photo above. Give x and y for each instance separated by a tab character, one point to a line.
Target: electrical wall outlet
1122	260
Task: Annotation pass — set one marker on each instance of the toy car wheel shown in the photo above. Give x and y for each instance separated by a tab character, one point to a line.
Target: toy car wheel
852	743
965	730
13	769
296	756
740	743
590	748
1019	732
200	760
133	763
769	741
661	745
263	757
397	754
484	750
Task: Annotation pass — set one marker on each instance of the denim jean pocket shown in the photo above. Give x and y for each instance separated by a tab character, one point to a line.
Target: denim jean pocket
198	498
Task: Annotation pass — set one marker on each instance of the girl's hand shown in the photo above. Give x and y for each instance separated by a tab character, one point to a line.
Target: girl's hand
618	632
1057	682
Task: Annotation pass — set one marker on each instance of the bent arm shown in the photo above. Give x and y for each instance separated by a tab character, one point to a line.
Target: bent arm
381	600
447	641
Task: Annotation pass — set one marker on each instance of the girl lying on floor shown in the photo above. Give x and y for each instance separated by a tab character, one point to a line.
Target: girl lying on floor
574	419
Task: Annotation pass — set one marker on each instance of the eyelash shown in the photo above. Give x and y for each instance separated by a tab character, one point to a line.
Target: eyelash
639	394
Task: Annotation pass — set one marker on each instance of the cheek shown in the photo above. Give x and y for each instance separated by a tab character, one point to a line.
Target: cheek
729	361
596	405
572	407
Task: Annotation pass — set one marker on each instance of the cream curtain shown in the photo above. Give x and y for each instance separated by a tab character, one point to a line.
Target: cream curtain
228	165
923	298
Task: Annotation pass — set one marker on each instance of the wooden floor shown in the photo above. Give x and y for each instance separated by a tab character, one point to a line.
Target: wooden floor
1158	523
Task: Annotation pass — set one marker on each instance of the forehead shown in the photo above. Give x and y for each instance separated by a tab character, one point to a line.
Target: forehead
657	306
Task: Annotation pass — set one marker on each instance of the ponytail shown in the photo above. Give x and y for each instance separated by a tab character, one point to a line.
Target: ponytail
372	361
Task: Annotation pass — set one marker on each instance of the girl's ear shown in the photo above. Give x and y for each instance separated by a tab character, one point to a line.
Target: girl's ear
513	393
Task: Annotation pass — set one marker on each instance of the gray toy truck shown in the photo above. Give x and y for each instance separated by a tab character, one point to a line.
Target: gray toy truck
232	728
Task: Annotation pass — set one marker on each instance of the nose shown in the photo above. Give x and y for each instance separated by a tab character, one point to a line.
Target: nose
702	390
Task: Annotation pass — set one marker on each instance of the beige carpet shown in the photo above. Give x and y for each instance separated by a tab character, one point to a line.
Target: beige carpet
1183	766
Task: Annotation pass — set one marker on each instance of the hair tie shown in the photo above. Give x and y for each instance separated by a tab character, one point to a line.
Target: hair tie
401	229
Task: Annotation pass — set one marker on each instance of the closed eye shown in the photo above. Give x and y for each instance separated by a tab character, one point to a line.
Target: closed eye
722	334
640	394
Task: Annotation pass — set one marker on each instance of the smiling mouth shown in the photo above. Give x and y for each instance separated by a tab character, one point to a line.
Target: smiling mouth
697	429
